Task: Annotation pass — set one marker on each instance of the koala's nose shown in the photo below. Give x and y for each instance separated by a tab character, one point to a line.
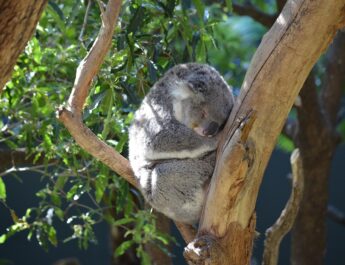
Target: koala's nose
211	129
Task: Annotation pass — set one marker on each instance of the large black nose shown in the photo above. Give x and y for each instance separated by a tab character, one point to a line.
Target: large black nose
211	129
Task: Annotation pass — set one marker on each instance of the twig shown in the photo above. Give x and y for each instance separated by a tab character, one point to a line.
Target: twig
251	11
282	226
21	169
335	215
84	22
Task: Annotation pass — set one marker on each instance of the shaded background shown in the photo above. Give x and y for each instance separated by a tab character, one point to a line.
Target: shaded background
274	192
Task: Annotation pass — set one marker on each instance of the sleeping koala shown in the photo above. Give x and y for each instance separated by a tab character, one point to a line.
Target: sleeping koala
172	140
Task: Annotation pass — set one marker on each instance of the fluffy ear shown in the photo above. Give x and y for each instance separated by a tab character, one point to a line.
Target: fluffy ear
197	86
182	91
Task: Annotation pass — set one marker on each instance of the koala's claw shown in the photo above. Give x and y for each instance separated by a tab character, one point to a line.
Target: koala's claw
201	250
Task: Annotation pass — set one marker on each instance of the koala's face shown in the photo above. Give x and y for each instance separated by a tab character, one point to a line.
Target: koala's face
202	100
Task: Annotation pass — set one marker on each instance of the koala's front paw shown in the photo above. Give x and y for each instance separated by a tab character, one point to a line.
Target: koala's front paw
202	250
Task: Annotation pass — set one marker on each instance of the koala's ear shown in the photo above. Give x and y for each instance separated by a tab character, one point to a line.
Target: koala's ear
182	91
197	86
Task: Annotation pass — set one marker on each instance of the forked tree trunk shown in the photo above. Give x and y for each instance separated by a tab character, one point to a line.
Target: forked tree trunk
278	70
18	20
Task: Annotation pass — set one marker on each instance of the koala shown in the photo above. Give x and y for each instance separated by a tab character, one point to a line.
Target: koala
173	139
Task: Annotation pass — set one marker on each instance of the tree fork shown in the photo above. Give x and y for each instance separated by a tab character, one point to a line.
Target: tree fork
277	72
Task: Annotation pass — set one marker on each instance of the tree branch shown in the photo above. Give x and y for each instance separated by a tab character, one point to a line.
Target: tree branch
251	11
317	141
336	215
277	72
282	226
71	114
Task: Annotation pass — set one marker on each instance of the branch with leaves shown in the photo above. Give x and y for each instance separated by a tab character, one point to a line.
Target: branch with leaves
71	114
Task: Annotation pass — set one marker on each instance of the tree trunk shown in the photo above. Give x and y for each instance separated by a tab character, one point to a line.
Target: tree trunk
317	140
278	70
18	20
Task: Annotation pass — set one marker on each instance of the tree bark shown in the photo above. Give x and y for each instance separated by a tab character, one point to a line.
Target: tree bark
317	141
18	20
278	70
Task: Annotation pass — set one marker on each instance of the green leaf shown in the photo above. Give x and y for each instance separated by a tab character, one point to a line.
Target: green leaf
52	236
101	183
200	9
145	258
3	238
60	182
136	20
285	144
123	221
229	5
59	213
123	247
107	122
2	190
72	192
55	198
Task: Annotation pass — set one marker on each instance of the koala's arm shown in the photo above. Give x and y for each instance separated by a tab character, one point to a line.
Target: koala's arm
178	141
177	187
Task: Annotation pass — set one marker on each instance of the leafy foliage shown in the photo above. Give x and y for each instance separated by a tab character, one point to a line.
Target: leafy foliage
151	37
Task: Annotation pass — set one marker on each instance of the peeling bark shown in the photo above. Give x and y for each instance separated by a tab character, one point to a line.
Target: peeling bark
278	70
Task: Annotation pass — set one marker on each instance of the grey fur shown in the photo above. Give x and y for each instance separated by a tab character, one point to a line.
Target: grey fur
172	140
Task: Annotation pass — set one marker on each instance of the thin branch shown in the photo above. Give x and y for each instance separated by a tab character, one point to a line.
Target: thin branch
282	226
251	11
85	22
71	114
22	169
336	215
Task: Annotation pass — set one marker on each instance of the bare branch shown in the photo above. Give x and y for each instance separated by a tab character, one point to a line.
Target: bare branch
71	115
90	65
251	11
336	215
22	169
282	226
18	157
81	34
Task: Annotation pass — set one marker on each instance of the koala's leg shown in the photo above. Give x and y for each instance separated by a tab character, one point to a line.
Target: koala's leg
178	187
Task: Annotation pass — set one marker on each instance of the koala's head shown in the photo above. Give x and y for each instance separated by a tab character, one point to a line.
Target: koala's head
201	98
